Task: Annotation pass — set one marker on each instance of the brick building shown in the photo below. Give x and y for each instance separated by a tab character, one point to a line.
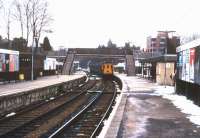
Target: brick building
162	43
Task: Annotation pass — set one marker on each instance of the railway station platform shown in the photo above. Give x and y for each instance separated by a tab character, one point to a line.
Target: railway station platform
16	95
20	87
147	110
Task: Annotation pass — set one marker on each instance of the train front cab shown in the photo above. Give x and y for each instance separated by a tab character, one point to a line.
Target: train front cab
107	69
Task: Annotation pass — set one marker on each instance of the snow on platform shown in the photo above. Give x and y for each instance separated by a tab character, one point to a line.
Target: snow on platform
148	110
13	88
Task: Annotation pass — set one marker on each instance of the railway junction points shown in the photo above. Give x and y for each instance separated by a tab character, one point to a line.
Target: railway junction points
142	110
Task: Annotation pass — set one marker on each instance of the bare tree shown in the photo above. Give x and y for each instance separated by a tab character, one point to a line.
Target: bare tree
23	14
18	15
27	19
7	19
33	17
39	17
8	24
1	4
1	7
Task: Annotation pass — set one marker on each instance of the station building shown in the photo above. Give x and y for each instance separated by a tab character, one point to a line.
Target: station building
158	61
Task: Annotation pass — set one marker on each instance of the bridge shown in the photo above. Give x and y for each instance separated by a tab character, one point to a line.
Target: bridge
91	54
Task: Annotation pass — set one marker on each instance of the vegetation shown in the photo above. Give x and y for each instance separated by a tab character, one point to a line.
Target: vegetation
112	48
46	45
33	18
19	44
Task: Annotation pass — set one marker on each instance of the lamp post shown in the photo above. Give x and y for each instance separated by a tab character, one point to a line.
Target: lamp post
32	65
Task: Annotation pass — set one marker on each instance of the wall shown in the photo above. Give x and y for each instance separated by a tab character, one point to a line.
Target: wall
12	102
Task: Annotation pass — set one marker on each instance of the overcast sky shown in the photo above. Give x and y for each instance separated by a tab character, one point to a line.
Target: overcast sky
88	23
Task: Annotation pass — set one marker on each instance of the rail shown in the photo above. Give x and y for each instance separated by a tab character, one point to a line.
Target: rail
74	117
103	118
24	119
95	112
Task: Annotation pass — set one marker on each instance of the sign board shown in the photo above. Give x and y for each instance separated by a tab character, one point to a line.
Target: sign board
187	65
183	65
192	60
180	63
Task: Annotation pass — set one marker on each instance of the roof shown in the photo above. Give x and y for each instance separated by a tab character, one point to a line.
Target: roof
6	51
163	58
189	45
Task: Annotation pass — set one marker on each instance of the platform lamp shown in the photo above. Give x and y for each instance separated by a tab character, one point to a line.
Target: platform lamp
35	38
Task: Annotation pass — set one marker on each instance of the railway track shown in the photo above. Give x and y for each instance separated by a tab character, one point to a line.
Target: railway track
88	122
81	111
22	124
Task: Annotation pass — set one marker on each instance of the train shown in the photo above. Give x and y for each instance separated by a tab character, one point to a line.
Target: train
107	69
15	65
101	69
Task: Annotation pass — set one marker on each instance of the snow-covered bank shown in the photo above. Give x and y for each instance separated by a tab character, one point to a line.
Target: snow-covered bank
139	87
186	106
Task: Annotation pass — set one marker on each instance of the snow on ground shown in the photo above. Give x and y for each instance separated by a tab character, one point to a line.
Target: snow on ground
79	73
140	122
186	106
11	114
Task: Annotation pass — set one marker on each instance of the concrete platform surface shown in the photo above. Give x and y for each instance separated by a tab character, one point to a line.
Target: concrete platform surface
13	88
148	115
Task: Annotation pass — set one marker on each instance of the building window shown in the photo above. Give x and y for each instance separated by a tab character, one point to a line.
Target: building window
162	44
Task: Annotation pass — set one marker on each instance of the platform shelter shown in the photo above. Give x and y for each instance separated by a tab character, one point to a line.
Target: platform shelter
159	69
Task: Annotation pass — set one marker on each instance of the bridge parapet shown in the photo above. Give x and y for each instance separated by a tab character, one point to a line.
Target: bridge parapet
104	51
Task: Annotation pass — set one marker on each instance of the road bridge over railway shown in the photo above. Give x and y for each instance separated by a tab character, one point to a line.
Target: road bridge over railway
88	55
128	59
103	56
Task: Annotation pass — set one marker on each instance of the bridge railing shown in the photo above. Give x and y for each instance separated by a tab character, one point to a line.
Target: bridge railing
108	51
